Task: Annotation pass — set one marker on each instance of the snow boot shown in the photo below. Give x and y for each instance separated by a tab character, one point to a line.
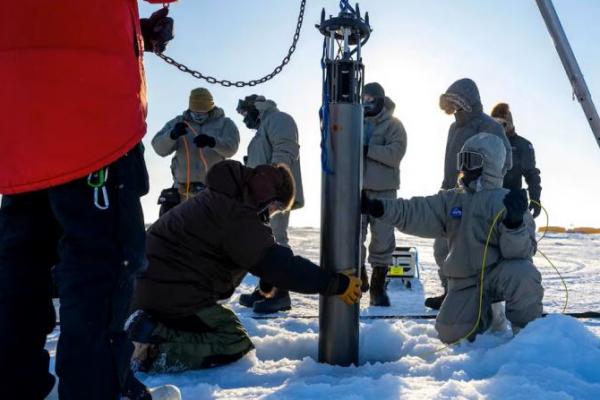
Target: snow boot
499	321
435	302
279	302
364	277
248	299
378	293
139	327
164	392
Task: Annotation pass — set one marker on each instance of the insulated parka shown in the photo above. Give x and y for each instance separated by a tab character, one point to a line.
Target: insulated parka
386	138
468	124
523	167
200	251
73	95
276	141
218	126
464	217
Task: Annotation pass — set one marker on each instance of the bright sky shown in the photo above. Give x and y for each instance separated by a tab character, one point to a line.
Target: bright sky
417	49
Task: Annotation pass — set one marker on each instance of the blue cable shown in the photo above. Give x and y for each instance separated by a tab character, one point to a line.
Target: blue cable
345	6
324	116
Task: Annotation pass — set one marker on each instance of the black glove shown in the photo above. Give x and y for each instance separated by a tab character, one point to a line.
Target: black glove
372	207
365	150
157	31
178	130
515	202
535	208
204	140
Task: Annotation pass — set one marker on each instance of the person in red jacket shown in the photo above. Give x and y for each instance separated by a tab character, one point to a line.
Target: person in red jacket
71	175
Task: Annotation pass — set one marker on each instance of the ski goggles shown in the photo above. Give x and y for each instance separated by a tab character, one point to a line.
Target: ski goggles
468	161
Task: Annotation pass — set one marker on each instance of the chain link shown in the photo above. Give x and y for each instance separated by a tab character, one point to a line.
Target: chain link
252	82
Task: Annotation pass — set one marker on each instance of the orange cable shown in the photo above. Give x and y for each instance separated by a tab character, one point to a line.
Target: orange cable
200	150
187	168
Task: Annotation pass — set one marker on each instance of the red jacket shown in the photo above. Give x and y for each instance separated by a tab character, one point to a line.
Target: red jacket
72	98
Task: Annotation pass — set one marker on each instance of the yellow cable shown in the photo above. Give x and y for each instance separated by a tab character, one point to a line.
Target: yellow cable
483	266
547	259
561	279
480	309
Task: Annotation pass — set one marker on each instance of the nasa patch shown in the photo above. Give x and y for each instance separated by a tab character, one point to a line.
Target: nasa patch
456	212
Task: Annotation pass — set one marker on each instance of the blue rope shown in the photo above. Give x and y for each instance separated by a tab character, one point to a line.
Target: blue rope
324	115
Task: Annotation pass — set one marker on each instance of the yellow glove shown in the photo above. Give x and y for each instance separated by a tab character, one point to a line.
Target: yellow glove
352	293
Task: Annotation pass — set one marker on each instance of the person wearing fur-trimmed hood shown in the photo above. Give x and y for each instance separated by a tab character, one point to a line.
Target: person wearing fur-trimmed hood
523	156
198	254
462	100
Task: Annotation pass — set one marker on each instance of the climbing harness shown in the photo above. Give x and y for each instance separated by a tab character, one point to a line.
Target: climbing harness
97	181
252	82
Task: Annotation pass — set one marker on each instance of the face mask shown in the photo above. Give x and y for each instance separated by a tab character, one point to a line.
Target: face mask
251	119
374	107
467	177
507	125
198	117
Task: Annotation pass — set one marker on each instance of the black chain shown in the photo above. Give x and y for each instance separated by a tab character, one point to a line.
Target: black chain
253	82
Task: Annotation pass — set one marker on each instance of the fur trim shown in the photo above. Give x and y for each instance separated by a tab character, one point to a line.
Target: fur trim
502	110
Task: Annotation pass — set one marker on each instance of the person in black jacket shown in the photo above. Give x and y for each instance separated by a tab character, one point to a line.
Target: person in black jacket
523	160
200	251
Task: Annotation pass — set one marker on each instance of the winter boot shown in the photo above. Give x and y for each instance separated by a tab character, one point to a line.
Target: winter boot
165	392
499	322
279	302
435	302
248	299
378	294
364	277
139	327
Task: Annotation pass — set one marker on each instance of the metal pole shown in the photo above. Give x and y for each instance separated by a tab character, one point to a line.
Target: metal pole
340	232
342	119
569	62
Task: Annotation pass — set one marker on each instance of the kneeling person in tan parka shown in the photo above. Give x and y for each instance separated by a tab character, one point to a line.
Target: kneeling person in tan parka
464	216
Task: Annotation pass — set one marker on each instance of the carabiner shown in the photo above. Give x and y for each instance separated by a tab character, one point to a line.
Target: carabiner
105	200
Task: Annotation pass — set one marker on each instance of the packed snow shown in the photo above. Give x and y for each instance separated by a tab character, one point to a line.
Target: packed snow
556	357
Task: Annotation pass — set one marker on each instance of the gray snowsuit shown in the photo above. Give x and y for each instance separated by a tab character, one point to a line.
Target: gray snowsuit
523	167
466	125
463	217
276	141
217	125
386	140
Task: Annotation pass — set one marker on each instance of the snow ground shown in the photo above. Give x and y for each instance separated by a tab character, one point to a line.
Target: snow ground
557	357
